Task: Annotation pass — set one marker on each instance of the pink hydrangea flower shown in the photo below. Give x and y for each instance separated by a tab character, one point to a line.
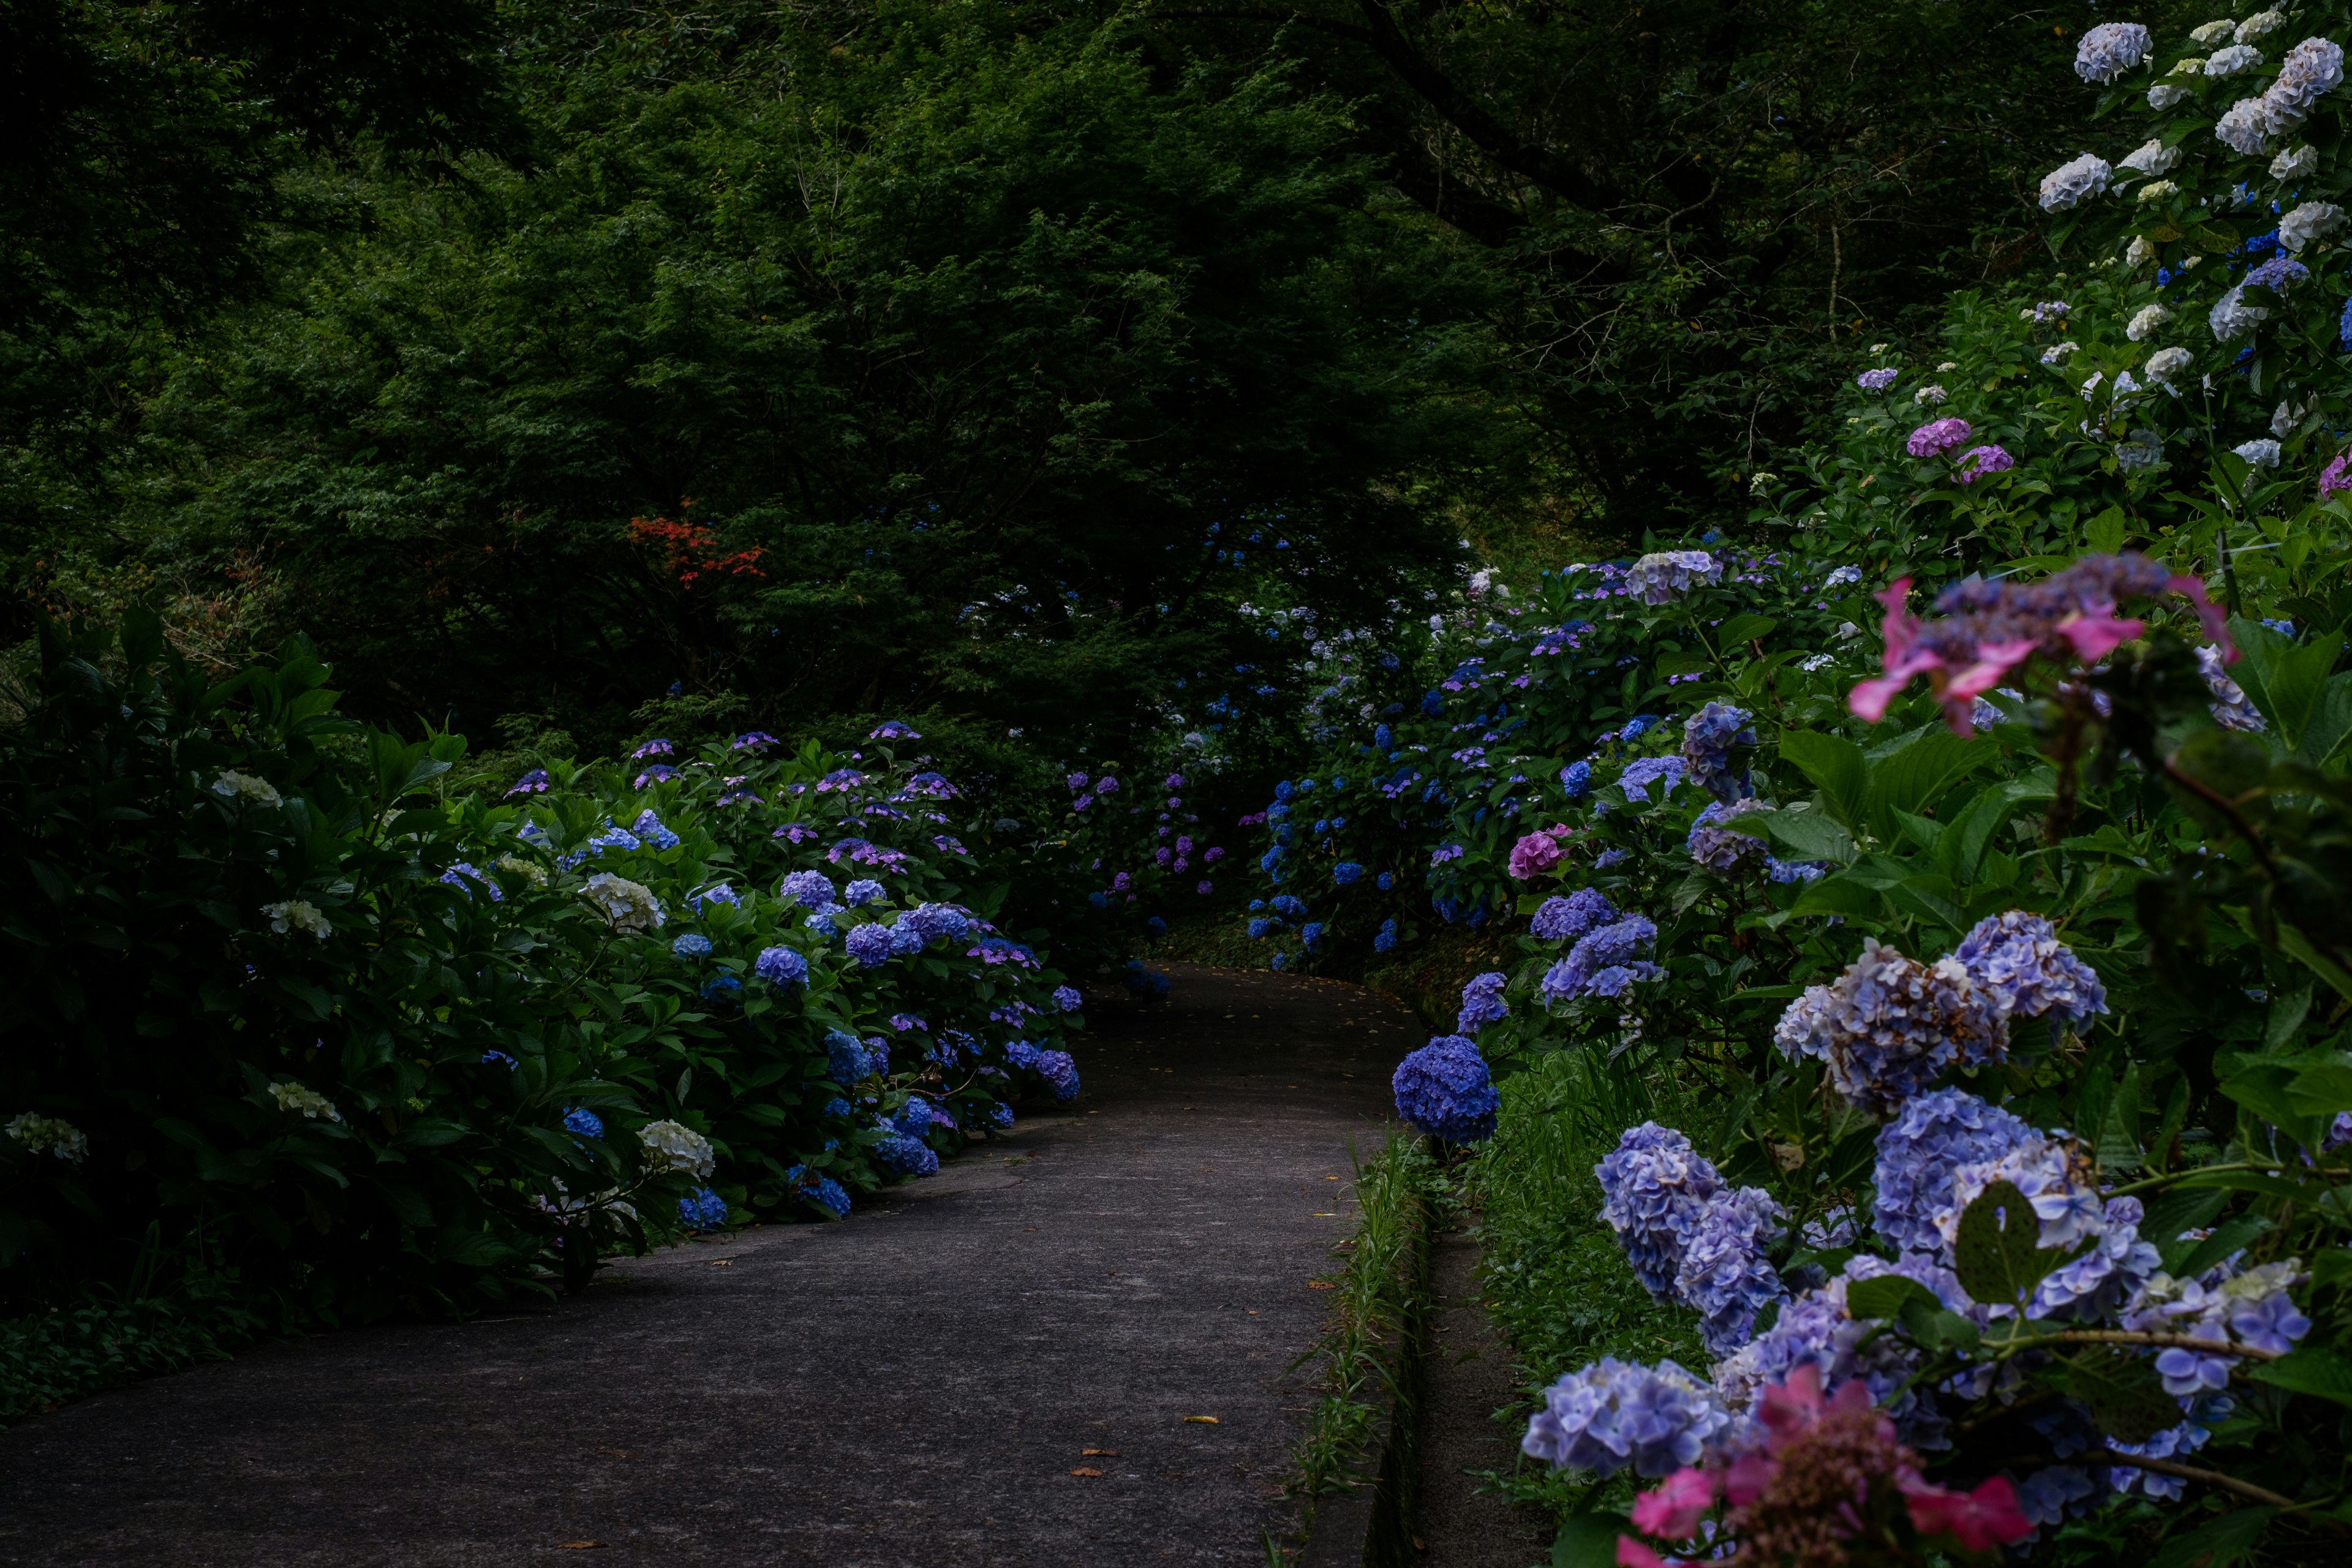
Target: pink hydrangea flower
1937	438
2336	477
1981	462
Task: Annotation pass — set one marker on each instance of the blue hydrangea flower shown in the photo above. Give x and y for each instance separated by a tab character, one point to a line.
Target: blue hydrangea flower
693	944
1711	736
462	875
1310	936
1066	999
845	1060
1262	927
1385	881
1642	771
1929	1139
1386	938
1654	1189
1280	961
904	1156
1618	978
1614	1413
1720	849
1288	907
1577	780
781	966
649	829
836	1109
1444	1089
869	944
1566	920
821	1191
1725	1275
865	891
1619	944
1156	926
1382	736
1060	1073
1635	726
722	987
1000	1116
1608	858
706	1210
535	781
2017	958
585	1122
614	838
1347	873
821	921
490	1056
1482	1004
1891	1026
720	894
1021	1054
812	889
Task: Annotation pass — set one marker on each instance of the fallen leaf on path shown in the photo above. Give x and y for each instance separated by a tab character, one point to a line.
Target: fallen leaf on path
1083	1470
1099	1454
721	1262
1204	1420
1321	1284
582	1545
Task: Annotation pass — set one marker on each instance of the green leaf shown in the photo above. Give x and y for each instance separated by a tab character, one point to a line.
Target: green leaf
1836	767
1998	1255
1740	629
2123	1392
2282	677
1587	1541
1882	1298
2104	534
2118	1147
2330	721
2196	1256
1910	775
1811	833
2314	1370
2218	1542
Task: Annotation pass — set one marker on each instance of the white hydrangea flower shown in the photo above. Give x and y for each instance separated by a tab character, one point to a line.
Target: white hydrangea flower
2167	365
2164	96
2230	61
2187	65
297	914
1818	663
2110	49
2144	450
2056	353
2125	385
2313	67
2262	453
531	871
2069	184
301	1099
2145	323
2243	128
2139	253
235	785
1930	396
2156	190
2231	317
2151	157
677	1147
2286	417
2295	163
628	906
2261	21
2308	222
1948	366
41	1134
2212	32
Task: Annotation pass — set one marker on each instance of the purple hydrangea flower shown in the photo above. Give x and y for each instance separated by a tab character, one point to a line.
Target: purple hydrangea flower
1653	1191
1444	1089
1936	437
1709	737
1604	947
1720	850
781	966
1929	1138
1565	919
1724	1274
1642	771
1890	1025
1877	379
865	891
1482	1004
1067	999
1982	462
2269	1323
869	944
2017	958
813	889
1614	1413
1060	1073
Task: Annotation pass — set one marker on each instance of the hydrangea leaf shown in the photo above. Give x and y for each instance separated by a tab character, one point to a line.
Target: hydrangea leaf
1836	766
2229	1238
1587	1541
1998	1256
1811	833
1883	1298
2313	1370
1744	628
2122	1393
2221	1542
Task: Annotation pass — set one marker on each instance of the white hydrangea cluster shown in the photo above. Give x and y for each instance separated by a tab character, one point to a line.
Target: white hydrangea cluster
2260	453
2158	190
2296	162
2071	183
297	914
41	1134
2257	25
235	785
2307	222
2311	68
1928	396
2056	353
2110	49
2231	317
2230	61
2242	130
1668	574
2164	95
2139	252
2150	157
304	1101
677	1147
2212	32
627	906
531	871
2146	322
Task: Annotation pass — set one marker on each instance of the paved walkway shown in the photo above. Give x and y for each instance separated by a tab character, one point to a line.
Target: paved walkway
913	1387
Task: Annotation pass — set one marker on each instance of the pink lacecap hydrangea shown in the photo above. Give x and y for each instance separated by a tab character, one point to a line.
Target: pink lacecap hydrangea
1980	462
1936	437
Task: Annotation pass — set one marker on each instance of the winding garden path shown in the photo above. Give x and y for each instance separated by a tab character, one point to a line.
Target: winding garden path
915	1386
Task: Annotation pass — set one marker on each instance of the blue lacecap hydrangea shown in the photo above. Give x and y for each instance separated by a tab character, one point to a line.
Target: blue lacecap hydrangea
1444	1089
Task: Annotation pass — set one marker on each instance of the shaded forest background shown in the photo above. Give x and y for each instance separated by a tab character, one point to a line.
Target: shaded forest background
595	368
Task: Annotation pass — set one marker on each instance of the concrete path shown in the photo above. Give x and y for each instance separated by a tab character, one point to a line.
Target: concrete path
915	1386
1468	1376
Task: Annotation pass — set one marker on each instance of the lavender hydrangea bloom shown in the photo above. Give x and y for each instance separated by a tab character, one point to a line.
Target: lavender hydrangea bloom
1565	919
2111	49
1444	1089
1709	737
2230	707
1936	437
1890	1025
2018	959
1667	575
863	891
904	1156
1654	1190
1642	771
1817	1330
1060	1073
1720	850
2269	1323
2059	1185
1877	379
1929	1138
869	944
1724	1274
1604	947
1067	999
1618	978
813	889
1482	1004
1614	1413
693	944
649	827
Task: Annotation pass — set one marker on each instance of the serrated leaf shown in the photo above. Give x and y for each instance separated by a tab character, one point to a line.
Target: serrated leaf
1998	1255
1883	1296
2220	1542
2318	1372
2196	1256
1811	833
2122	1393
1836	767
